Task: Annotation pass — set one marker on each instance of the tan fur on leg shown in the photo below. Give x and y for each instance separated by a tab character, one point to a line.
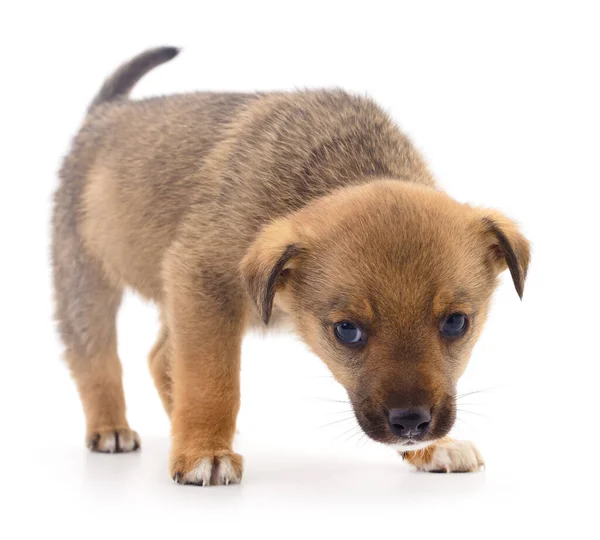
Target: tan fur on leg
101	389
206	338
159	362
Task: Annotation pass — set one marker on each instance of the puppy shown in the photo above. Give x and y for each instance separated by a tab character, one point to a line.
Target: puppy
236	210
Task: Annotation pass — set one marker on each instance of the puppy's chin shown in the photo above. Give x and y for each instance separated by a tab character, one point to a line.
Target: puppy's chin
404	447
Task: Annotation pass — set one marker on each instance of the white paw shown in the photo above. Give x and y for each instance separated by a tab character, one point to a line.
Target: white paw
453	456
220	472
113	441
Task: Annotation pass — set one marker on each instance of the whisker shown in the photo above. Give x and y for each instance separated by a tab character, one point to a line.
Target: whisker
465	422
481	391
354	433
472	412
364	439
475	404
346	432
357	394
336	422
333	400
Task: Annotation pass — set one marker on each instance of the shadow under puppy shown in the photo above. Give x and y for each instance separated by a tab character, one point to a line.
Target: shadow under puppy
234	210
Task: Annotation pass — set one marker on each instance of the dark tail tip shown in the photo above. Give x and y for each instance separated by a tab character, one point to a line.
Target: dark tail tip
120	83
170	52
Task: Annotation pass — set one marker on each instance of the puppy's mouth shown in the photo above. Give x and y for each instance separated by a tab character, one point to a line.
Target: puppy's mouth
410	445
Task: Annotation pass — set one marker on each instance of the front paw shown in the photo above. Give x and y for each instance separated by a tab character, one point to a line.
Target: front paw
447	456
207	468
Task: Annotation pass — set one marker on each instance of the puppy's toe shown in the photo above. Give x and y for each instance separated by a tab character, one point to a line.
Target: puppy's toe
449	456
219	468
113	440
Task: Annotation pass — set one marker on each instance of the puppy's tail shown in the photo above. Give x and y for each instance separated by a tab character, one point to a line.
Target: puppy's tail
120	83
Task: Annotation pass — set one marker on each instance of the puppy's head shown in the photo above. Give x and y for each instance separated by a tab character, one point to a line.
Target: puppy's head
389	283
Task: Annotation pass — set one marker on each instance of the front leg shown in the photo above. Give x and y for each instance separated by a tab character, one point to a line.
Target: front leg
206	389
446	455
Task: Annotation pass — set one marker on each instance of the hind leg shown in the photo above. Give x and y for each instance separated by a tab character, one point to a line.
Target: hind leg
159	362
98	380
86	308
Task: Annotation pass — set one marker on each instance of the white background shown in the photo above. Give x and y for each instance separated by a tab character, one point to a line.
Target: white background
502	99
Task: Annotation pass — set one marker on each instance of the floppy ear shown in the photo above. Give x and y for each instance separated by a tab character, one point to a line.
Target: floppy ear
508	248
268	260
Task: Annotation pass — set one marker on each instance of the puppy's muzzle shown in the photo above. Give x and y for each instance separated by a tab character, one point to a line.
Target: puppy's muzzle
411	423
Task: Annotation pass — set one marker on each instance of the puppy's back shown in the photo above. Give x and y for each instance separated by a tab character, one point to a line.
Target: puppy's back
137	167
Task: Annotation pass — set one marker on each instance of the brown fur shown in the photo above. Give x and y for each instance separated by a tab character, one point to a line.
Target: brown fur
230	210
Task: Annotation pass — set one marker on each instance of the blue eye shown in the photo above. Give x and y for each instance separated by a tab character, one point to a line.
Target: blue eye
348	333
454	325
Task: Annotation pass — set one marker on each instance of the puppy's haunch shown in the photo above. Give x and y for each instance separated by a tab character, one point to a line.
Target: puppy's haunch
234	210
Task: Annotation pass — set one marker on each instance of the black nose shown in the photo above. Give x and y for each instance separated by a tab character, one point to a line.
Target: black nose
409	423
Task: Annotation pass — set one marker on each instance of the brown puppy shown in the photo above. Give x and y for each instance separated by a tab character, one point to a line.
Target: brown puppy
233	210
